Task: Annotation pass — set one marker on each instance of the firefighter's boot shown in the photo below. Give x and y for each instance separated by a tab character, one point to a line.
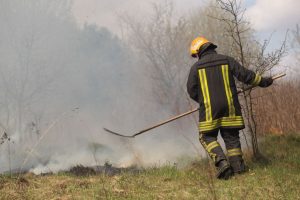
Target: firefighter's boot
235	157
238	165
224	170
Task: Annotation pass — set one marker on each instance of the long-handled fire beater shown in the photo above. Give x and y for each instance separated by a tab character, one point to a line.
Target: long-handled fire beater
178	116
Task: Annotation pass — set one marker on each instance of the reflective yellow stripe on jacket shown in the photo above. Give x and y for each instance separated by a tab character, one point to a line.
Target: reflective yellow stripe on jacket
229	121
205	92
224	122
225	74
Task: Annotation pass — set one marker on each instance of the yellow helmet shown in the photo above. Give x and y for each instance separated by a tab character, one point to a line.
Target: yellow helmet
197	43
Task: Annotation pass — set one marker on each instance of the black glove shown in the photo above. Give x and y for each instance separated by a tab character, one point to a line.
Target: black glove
266	82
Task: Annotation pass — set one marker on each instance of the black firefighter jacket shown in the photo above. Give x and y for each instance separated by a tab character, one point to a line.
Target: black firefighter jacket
211	83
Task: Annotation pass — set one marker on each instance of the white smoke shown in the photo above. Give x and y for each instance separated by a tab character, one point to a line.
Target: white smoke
60	84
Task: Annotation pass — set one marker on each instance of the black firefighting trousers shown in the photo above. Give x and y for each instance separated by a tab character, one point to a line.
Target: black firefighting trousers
232	142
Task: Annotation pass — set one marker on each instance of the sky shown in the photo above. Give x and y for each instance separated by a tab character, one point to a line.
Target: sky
268	17
274	18
265	15
271	15
106	12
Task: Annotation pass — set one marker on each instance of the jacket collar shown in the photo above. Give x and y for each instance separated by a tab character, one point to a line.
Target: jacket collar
209	51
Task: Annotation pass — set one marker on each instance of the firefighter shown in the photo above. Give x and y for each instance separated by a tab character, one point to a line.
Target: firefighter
211	83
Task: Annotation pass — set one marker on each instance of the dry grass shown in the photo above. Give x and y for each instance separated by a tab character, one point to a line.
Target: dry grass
277	108
279	179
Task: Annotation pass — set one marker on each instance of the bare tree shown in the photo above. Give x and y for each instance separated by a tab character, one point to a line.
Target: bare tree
250	53
296	45
274	117
162	41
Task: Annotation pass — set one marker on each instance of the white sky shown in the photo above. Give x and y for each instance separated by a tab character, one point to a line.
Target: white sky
106	12
266	16
270	15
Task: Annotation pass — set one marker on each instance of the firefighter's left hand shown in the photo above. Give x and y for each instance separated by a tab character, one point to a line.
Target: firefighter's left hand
266	82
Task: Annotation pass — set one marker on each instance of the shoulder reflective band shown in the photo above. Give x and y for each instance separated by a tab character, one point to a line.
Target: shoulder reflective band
205	92
225	74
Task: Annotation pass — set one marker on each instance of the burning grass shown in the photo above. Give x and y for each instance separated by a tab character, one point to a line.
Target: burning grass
277	179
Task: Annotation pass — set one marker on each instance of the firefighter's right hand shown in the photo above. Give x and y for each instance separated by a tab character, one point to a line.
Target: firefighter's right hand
266	82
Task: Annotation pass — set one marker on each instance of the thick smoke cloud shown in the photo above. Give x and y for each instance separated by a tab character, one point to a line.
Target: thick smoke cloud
60	84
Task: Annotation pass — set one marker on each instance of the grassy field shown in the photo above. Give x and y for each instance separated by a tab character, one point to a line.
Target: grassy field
277	179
